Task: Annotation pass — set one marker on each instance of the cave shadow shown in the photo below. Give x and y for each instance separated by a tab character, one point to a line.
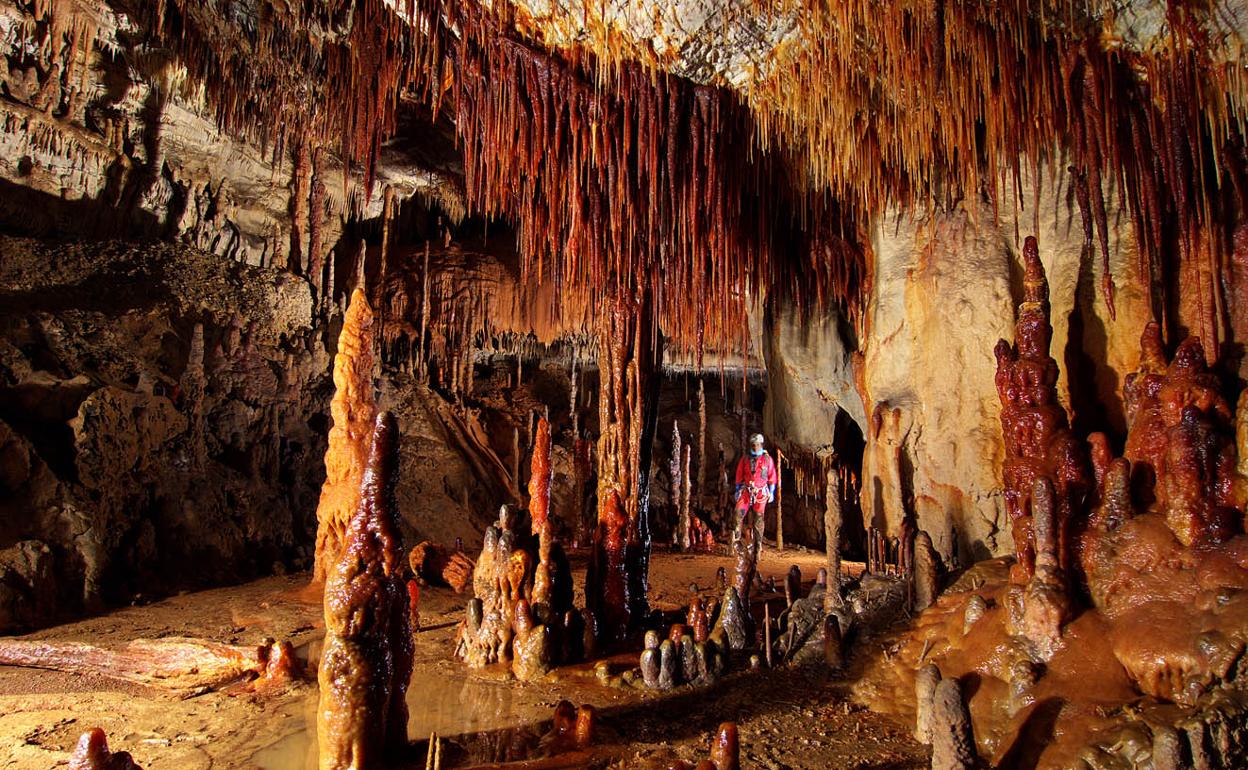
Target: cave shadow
1034	734
1085	359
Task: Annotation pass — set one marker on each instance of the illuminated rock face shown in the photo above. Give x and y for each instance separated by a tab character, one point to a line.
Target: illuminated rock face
366	662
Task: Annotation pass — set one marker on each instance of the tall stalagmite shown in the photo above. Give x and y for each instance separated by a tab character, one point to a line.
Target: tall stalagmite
628	351
832	533
366	662
1038	439
353	409
539	510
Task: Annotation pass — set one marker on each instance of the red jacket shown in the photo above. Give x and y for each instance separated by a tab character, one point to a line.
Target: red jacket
759	473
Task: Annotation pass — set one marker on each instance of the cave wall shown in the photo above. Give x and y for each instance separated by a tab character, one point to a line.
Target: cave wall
920	383
161	424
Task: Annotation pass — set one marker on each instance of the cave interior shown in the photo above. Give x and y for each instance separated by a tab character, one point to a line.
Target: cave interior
778	384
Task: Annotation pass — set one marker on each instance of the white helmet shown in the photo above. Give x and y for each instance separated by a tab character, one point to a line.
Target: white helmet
757	438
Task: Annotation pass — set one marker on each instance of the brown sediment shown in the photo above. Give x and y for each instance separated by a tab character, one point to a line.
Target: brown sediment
366	661
353	410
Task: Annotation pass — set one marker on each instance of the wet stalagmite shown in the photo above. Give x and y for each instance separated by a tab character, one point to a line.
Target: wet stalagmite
618	576
1038	439
353	409
366	662
92	753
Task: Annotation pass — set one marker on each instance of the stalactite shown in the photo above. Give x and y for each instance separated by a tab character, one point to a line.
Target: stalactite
300	208
353	409
316	226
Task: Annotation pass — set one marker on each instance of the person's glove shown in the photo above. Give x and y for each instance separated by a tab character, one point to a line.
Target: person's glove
771	493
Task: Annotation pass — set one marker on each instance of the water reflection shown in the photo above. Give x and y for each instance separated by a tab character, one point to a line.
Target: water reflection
480	720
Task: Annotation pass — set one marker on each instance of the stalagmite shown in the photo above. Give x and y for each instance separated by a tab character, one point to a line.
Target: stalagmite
92	753
726	748
1046	604
676	489
833	642
539	510
617	578
1038	440
686	503
976	606
1167	748
779	500
832	538
366	661
353	410
193	383
926	572
953	747
925	681
1241	434
700	488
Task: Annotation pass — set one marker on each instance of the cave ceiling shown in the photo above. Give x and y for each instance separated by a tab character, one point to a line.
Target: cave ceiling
720	151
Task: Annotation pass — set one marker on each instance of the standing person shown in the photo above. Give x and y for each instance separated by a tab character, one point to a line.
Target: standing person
756	487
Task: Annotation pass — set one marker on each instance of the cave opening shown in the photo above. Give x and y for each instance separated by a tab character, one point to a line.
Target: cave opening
692	385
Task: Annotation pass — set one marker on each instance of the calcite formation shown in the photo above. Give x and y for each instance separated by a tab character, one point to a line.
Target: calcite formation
366	661
353	410
522	612
618	575
92	753
1038	439
1181	441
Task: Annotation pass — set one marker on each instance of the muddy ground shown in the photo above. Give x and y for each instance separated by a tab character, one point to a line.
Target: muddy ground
788	718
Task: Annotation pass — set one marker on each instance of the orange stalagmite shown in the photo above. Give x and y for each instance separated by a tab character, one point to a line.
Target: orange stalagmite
1037	436
539	511
539	480
353	410
366	662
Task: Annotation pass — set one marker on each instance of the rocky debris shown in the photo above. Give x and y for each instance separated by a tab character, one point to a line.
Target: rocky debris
28	592
181	666
438	565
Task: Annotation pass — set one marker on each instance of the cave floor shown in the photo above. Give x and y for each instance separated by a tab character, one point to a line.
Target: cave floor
788	718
